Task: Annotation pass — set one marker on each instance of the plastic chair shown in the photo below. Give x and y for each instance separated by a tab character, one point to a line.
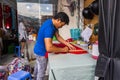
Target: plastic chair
17	51
20	75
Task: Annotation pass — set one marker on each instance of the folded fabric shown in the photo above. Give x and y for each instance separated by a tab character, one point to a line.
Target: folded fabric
77	51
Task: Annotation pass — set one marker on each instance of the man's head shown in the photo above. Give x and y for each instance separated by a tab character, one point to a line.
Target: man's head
60	19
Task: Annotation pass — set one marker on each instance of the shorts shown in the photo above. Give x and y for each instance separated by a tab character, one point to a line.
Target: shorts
23	40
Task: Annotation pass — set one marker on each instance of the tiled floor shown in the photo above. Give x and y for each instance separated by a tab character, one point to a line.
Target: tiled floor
7	58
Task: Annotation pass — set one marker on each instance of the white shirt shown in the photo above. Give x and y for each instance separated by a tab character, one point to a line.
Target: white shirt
22	31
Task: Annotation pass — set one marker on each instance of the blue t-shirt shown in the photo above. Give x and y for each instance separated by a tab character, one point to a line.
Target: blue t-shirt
47	30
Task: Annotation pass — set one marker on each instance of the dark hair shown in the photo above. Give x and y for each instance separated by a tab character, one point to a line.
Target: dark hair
62	16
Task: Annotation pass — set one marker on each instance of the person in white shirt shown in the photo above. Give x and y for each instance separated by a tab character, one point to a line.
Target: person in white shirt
22	36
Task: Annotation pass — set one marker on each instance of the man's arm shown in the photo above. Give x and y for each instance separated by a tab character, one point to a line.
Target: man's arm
60	39
51	48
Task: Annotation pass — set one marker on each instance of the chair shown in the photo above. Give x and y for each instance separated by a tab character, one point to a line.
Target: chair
17	51
20	75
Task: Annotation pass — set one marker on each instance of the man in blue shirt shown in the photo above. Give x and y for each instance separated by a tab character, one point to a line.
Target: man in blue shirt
44	42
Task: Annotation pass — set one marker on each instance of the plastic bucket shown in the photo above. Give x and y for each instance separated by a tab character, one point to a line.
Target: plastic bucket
75	33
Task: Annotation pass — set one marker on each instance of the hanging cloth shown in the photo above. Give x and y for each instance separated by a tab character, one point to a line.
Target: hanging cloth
108	63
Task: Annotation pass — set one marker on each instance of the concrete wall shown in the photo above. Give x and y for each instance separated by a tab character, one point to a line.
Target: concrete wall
65	31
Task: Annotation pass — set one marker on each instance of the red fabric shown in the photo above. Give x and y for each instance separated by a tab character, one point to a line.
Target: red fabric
46	55
7	9
62	45
95	57
69	40
75	52
1	15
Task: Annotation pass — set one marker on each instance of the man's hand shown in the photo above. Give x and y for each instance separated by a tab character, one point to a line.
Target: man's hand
66	49
71	47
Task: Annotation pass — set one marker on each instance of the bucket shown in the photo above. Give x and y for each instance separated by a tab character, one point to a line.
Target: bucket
75	33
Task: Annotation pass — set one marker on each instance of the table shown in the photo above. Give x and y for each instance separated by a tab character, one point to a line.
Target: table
71	66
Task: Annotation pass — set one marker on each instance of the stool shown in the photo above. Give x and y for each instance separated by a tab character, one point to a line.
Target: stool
17	51
20	75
